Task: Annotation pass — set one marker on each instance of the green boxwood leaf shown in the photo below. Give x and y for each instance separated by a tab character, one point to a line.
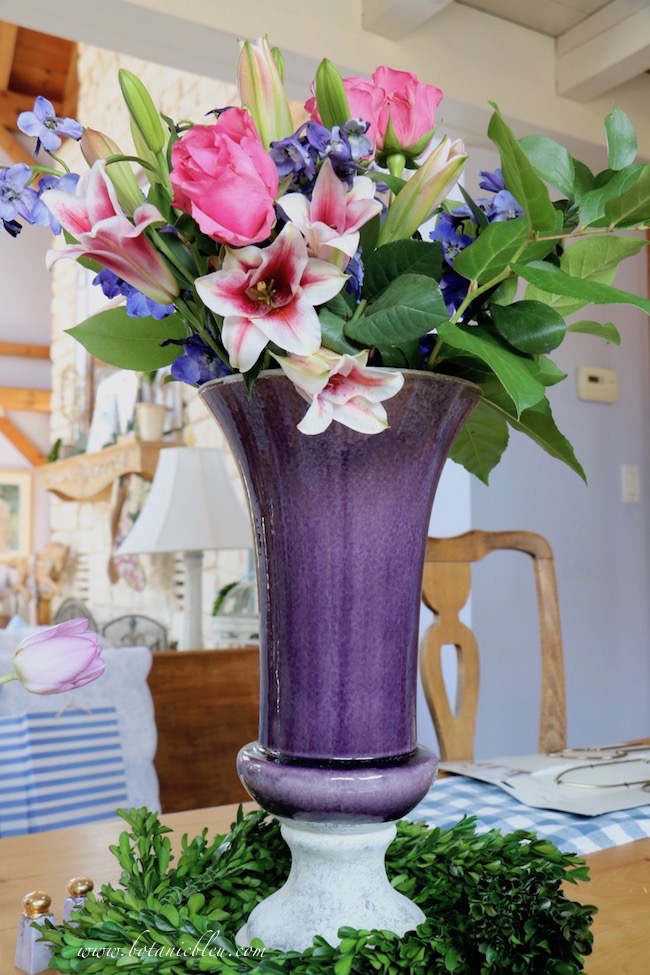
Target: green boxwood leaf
520	177
409	308
481	442
607	331
551	161
509	367
530	326
553	280
401	257
622	142
130	343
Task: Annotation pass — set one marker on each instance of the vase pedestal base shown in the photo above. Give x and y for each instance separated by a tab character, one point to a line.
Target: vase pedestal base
338	877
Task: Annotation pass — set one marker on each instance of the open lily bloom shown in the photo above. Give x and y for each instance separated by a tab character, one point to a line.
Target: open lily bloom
104	232
268	295
331	220
342	388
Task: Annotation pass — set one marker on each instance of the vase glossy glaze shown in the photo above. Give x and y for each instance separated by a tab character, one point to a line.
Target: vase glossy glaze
340	521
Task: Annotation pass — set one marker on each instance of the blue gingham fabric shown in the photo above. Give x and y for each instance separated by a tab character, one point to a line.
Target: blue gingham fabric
451	798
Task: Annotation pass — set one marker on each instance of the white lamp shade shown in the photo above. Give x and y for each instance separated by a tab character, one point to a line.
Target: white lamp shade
192	506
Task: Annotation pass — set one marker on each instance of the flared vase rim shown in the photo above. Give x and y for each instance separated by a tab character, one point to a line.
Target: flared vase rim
424	374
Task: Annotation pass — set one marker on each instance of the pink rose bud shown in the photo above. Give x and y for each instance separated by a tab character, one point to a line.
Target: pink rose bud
59	659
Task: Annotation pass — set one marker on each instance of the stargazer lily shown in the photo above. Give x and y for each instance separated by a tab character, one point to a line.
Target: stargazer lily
104	233
341	388
331	220
268	294
262	92
424	191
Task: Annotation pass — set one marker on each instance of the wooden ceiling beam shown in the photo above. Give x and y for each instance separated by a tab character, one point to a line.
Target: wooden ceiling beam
29	400
21	442
25	350
8	35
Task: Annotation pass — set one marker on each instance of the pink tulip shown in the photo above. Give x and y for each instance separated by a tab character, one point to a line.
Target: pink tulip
95	218
225	179
59	659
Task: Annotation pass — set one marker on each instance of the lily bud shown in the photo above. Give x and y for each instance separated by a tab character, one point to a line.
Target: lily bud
261	90
95	145
424	191
279	61
143	152
142	110
331	98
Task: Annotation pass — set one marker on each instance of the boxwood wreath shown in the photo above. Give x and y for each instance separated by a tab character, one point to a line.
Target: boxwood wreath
494	906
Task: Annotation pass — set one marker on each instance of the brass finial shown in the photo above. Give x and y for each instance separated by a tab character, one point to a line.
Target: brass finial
36	904
80	886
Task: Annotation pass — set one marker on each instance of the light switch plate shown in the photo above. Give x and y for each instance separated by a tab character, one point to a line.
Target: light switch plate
597	385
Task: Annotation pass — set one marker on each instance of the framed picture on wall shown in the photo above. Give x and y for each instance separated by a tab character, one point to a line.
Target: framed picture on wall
15	513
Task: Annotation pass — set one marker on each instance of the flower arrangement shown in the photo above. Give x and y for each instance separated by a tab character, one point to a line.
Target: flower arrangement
334	253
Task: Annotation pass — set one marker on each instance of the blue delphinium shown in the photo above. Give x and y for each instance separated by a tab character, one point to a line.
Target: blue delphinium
198	364
40	214
300	154
17	199
137	304
457	230
46	127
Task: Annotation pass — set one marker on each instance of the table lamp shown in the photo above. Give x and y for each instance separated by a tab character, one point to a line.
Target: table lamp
192	506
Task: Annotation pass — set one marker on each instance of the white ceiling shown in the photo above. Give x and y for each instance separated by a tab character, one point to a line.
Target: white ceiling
599	44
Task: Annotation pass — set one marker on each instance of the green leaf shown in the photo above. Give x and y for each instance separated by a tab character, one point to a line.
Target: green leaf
593	204
530	326
622	143
496	247
481	442
130	343
545	370
593	259
520	177
607	331
523	389
410	307
551	161
401	257
549	278
332	333
630	207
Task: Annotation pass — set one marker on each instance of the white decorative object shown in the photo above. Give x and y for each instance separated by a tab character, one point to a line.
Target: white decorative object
338	877
192	507
32	955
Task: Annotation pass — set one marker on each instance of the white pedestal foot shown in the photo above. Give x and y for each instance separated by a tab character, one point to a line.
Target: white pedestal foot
337	878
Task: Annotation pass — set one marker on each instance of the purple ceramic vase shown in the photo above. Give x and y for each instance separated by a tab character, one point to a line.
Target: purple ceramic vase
340	521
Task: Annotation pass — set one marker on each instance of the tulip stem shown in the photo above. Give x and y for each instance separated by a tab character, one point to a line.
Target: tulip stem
5	678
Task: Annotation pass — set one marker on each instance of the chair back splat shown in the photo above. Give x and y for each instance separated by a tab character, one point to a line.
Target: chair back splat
445	590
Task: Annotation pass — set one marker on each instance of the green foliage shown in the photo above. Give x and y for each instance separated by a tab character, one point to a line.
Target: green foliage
127	343
494	905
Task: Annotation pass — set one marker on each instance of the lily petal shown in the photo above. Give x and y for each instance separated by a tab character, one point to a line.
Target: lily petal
243	341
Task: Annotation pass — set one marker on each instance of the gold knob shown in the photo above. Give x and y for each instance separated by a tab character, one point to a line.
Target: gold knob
36	904
80	886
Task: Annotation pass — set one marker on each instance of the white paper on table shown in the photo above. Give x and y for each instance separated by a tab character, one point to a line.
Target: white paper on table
531	779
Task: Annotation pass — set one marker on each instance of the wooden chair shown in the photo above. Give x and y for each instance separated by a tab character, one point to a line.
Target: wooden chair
445	590
206	708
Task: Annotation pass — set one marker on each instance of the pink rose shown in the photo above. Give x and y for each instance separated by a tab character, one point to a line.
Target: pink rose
225	179
59	659
395	96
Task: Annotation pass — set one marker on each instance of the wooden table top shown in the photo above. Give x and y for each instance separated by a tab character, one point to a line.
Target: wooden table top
619	886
